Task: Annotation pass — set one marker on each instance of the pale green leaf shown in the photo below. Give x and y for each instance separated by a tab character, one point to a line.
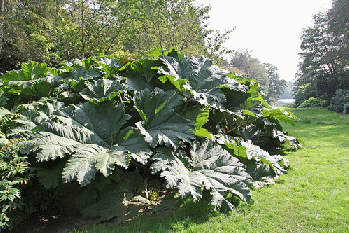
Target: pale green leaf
211	168
82	165
204	80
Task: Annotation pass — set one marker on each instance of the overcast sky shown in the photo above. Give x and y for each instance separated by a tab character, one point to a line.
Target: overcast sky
269	29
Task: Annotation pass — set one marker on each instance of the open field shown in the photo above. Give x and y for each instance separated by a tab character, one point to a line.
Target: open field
313	197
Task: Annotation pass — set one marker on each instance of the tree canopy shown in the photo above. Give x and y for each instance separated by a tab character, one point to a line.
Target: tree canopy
276	85
265	73
66	29
325	55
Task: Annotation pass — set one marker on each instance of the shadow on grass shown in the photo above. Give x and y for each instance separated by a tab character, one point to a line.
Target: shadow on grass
167	217
171	214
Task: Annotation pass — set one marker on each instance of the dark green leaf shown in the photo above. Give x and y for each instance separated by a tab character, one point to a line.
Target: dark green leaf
162	125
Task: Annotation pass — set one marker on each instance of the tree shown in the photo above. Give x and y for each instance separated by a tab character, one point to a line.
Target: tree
29	31
338	19
252	67
325	55
339	28
163	24
276	86
319	65
288	93
66	29
2	19
215	48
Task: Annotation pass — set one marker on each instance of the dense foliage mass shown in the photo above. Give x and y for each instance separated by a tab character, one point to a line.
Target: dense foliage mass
104	131
339	101
12	173
65	29
324	68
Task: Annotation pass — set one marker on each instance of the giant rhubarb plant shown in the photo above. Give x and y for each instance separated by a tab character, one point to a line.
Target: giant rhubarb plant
181	119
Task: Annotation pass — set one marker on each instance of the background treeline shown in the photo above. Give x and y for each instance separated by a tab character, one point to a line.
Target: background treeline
323	73
51	31
242	63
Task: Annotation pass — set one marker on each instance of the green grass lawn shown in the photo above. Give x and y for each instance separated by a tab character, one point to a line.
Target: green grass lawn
313	197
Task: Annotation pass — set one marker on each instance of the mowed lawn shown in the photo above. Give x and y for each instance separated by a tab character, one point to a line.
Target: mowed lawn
313	197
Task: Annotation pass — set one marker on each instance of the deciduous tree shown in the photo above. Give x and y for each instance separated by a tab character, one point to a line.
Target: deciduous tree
276	85
325	54
252	67
66	29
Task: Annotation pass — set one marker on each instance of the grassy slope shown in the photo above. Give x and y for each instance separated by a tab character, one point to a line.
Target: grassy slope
313	197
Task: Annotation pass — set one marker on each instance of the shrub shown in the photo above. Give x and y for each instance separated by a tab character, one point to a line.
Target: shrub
339	100
13	174
312	102
303	93
109	129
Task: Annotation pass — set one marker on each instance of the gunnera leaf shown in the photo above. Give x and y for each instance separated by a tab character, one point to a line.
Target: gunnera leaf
204	79
86	132
277	163
110	205
50	177
29	71
200	116
86	74
102	90
161	124
259	163
210	167
139	74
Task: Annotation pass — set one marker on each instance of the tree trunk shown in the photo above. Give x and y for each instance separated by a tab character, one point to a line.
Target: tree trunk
83	30
2	19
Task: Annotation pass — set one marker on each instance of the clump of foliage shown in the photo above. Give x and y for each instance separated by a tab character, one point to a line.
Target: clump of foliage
13	174
313	102
339	100
111	128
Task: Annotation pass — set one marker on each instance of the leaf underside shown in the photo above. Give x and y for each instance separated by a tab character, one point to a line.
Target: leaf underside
212	168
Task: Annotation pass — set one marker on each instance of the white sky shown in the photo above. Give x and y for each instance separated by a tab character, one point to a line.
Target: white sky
269	29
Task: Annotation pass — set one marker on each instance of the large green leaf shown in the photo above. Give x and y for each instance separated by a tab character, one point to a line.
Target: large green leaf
17	92
204	79
86	132
210	167
82	165
140	74
102	90
133	140
161	124
244	96
103	121
109	65
259	163
276	162
116	197
86	74
29	71
49	146
50	177
109	205
200	116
